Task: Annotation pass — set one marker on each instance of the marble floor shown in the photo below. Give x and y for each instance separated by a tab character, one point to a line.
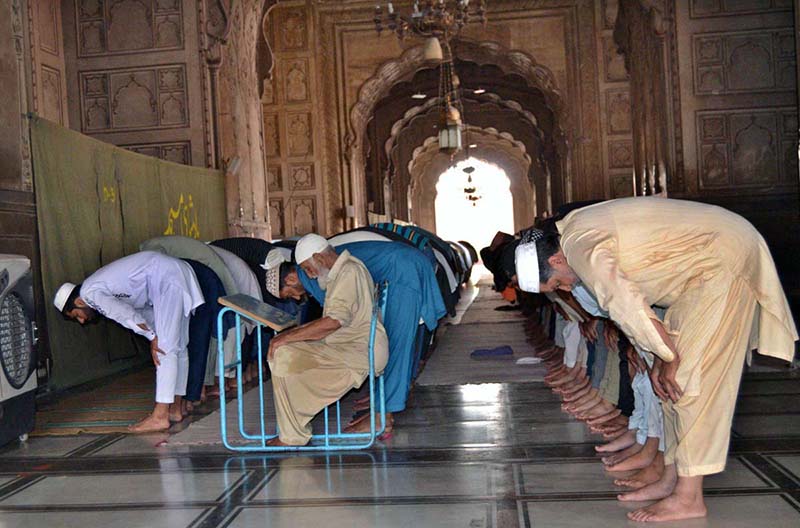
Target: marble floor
476	456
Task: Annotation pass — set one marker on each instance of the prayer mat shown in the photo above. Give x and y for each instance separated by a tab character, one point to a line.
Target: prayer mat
110	408
501	352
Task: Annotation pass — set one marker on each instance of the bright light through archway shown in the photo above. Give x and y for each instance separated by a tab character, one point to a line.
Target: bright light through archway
458	218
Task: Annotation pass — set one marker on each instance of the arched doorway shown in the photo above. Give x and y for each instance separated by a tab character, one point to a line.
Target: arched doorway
473	216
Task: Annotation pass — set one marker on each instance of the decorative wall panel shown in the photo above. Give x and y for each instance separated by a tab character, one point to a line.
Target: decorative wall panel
292	30
174	152
620	154
298	131
295	74
304	215
49	27
277	218
715	8
748	61
747	148
51	105
301	177
128	26
151	98
621	185
274	178
272	142
618	104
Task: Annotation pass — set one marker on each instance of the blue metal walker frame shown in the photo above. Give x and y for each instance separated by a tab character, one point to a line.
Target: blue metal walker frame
327	441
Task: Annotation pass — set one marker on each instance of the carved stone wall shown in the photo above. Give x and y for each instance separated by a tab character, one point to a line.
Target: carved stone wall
134	75
615	105
738	99
291	105
48	93
23	58
357	69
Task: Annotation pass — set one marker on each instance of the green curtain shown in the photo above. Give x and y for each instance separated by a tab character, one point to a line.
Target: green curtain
96	203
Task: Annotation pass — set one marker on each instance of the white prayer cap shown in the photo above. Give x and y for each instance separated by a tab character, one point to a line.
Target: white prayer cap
273	281
308	246
274	259
62	295
527	263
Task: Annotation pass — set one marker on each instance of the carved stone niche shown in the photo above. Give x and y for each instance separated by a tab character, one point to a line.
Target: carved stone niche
277	218
296	85
291	30
274	178
298	131
304	215
52	105
272	143
618	106
754	148
123	26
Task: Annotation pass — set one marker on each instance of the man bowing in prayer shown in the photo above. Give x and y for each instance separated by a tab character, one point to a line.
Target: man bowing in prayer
315	364
154	296
714	274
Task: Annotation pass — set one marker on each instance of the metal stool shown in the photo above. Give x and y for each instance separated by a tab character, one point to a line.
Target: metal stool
262	315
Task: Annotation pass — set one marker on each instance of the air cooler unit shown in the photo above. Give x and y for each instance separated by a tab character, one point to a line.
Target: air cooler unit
17	349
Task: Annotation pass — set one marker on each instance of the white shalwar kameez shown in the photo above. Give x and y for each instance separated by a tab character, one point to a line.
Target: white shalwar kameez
157	291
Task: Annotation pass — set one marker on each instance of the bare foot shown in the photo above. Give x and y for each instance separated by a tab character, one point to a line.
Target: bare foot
151	424
175	413
578	385
658	490
362	424
577	395
625	454
276	442
644	476
613	435
638	460
685	502
602	408
627	439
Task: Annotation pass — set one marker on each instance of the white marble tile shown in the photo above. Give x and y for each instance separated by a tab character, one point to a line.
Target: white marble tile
472	515
165	487
723	512
102	519
767	425
48	446
790	462
376	481
576	477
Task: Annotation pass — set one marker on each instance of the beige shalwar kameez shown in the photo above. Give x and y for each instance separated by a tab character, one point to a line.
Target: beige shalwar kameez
310	375
714	273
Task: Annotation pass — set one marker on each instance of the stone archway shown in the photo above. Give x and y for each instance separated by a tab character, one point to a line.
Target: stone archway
418	118
496	148
403	68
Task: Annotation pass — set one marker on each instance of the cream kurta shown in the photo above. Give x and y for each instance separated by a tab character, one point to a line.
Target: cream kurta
714	273
308	376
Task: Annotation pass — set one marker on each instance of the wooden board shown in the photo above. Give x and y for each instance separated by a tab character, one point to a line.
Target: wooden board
261	312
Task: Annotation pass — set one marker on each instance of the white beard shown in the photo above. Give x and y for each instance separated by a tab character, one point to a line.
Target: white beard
322	278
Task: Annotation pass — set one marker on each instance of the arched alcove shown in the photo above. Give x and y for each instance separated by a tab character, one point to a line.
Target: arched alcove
476	216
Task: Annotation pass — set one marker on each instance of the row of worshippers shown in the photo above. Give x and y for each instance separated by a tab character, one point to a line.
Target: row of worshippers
645	310
168	294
